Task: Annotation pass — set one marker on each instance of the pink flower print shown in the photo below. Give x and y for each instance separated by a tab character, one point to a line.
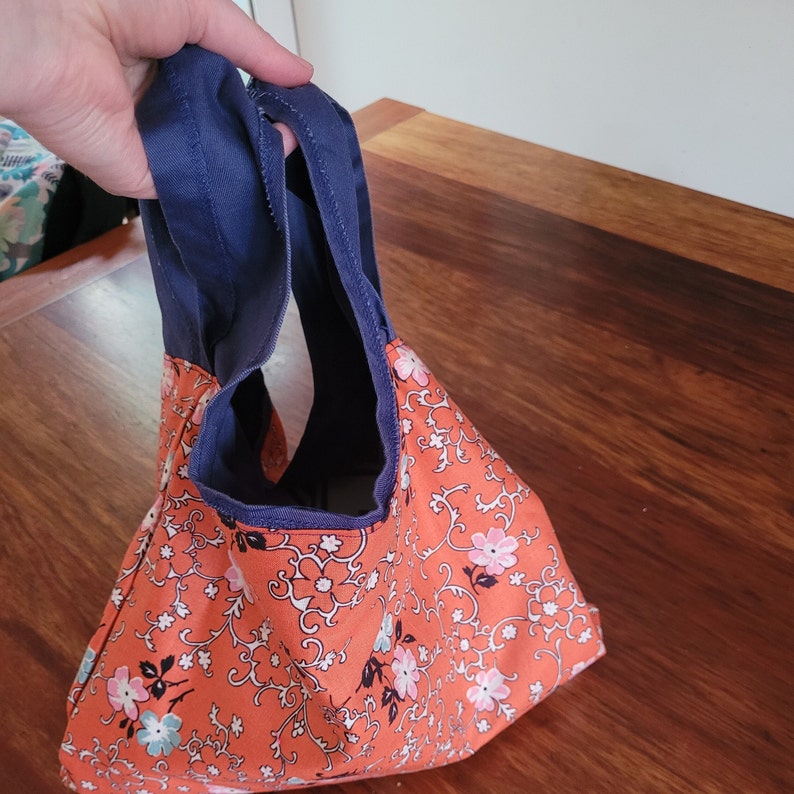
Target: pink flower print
204	401
405	673
489	688
494	551
234	576
152	518
125	694
408	365
168	380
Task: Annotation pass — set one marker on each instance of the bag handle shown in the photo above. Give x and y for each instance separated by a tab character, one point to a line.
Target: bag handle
220	239
328	142
221	279
217	164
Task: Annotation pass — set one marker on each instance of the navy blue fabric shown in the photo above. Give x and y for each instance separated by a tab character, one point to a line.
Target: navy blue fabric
212	232
230	224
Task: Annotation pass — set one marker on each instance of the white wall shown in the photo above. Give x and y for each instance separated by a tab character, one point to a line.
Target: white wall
696	92
277	18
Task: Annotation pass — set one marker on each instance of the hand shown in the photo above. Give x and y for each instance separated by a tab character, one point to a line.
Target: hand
73	69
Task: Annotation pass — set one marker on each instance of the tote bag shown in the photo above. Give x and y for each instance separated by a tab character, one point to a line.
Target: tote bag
388	599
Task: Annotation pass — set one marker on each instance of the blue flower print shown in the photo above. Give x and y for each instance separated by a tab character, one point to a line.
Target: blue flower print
159	735
89	657
383	640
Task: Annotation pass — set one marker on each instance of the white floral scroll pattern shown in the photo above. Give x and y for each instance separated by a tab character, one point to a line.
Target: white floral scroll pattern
237	658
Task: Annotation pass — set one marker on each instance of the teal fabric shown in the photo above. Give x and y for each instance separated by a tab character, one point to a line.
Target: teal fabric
29	175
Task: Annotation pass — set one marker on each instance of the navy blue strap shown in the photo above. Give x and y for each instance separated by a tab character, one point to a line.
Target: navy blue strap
222	239
330	148
367	236
216	236
217	165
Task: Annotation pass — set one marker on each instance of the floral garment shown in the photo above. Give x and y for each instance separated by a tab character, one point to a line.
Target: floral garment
240	659
29	176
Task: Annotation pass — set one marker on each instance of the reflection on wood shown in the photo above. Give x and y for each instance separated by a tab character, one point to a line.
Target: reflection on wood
643	391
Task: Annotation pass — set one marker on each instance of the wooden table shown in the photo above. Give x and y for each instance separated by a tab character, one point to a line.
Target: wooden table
626	345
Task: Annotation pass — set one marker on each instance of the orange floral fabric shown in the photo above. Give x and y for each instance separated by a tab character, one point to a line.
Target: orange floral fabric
235	658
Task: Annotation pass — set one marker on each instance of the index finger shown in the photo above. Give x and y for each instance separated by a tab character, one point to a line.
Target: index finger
159	28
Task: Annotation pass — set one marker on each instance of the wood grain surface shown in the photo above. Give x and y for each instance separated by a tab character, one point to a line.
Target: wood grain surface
730	236
50	280
640	382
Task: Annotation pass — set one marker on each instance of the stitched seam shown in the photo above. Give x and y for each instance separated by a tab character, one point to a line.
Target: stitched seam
201	171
